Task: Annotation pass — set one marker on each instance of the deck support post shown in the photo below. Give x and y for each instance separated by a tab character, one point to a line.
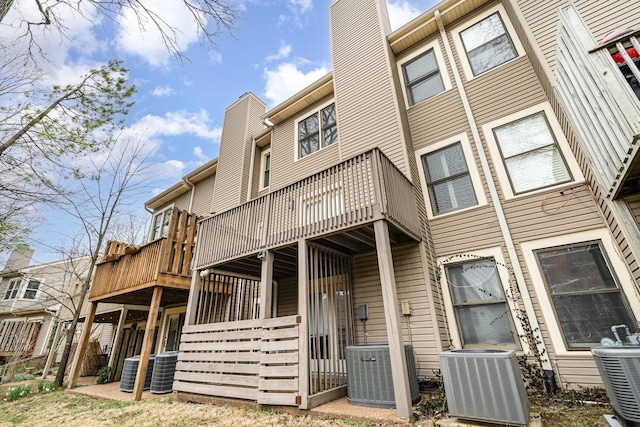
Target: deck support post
147	343
52	350
392	318
192	301
266	285
117	341
81	349
303	327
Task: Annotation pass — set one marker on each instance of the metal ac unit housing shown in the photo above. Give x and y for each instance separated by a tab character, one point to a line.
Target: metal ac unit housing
164	369
129	371
620	371
485	385
369	378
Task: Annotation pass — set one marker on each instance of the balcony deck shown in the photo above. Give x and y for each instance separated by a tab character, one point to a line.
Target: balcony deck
601	98
345	197
128	274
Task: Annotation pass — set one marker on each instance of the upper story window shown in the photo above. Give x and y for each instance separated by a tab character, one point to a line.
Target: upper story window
531	154
584	293
31	290
12	289
265	168
450	177
486	43
160	223
422	77
317	131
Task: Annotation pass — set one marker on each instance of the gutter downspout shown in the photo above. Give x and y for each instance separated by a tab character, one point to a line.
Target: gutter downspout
192	188
251	164
502	220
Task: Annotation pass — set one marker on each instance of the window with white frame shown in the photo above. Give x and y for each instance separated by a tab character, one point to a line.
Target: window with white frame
448	179
584	292
265	169
160	223
422	77
12	289
317	131
481	310
31	290
488	44
531	155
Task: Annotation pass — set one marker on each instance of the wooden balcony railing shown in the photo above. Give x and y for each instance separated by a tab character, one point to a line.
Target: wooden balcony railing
601	99
162	262
362	189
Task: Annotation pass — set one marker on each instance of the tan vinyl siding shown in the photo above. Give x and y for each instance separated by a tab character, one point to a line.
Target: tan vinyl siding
285	169
257	177
288	297
460	233
182	201
550	214
43	337
366	118
203	196
634	207
241	120
411	287
509	88
253	127
437	119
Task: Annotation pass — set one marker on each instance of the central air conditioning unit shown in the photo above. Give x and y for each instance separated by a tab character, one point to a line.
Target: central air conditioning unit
369	378
485	385
620	371
164	369
129	371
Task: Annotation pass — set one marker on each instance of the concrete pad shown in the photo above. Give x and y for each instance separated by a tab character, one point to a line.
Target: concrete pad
535	420
87	386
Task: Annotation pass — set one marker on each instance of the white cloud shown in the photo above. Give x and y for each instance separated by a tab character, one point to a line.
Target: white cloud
180	122
162	91
283	52
215	56
138	35
287	79
197	151
401	12
301	6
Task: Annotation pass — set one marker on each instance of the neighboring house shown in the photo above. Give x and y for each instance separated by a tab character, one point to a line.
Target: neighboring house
449	176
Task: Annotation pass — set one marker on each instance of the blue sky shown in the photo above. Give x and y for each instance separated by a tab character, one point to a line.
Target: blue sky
277	48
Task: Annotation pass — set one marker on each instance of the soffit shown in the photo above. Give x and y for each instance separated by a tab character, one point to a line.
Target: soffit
302	100
426	25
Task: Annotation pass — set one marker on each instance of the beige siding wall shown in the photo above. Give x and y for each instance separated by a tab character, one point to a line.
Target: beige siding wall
288	297
411	286
367	117
182	201
285	169
634	207
203	196
241	120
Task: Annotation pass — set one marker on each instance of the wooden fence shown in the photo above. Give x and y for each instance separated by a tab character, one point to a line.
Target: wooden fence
18	336
249	359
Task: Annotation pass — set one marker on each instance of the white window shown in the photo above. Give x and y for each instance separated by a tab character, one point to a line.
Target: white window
31	291
582	285
478	308
530	152
423	75
12	289
449	177
317	131
486	43
265	169
160	223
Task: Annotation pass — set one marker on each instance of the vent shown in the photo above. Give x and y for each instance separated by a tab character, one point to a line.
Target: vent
620	371
164	370
129	371
485	386
369	378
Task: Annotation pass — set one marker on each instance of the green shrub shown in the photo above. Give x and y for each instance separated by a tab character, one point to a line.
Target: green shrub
21	391
22	377
103	375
